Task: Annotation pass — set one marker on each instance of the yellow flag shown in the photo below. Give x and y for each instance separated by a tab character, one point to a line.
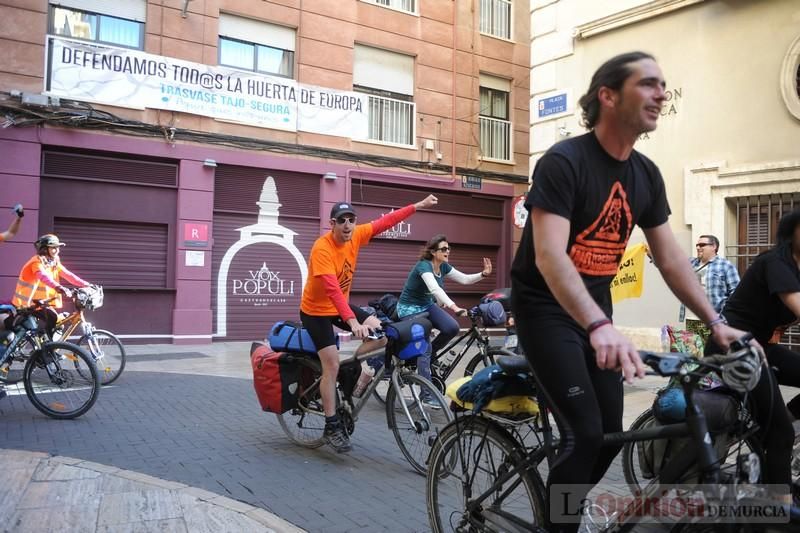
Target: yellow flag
630	275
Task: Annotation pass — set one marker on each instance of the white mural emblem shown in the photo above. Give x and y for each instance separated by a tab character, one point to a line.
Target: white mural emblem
264	286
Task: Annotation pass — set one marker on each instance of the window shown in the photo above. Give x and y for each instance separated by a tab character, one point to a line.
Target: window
494	123
118	23
756	223
388	78
400	5
496	18
258	46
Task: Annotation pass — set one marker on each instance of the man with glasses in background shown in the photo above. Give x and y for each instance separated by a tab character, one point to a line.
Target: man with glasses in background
325	301
718	277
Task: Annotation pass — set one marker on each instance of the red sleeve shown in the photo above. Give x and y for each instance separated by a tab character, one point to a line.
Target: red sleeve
387	221
337	297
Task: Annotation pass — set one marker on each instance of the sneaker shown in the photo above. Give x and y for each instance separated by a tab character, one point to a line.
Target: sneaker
432	403
336	436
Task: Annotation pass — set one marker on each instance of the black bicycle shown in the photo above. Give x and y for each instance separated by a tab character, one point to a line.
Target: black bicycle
60	378
481	478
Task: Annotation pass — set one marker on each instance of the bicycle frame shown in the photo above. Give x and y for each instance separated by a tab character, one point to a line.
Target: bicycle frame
71	322
444	371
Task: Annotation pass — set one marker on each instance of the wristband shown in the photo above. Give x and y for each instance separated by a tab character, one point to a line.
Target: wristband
597	324
484	275
719	320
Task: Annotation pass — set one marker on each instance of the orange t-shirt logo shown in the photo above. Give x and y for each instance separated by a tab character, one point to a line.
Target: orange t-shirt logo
598	249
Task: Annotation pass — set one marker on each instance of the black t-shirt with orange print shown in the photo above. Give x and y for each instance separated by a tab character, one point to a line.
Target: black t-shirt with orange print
603	198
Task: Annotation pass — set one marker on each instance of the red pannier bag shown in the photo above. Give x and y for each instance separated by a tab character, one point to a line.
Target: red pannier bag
275	378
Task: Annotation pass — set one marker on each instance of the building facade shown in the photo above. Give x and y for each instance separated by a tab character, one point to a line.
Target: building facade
727	141
189	151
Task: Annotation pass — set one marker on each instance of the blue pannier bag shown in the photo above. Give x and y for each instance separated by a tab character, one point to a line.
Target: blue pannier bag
409	338
287	336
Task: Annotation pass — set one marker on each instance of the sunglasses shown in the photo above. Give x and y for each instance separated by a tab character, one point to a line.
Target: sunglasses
342	220
703	244
443	249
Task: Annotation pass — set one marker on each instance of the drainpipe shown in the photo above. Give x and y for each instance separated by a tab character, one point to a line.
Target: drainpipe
453	110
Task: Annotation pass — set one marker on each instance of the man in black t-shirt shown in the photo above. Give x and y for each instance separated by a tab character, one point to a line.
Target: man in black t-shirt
587	194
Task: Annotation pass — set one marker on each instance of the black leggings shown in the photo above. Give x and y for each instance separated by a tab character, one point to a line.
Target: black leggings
788	364
586	402
776	433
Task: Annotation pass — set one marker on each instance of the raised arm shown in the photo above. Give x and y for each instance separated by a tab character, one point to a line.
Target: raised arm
387	221
13	229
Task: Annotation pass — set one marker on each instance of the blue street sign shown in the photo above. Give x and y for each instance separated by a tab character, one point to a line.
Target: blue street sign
553	105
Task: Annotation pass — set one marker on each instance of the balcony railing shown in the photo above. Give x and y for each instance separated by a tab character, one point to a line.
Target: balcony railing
496	18
391	121
495	137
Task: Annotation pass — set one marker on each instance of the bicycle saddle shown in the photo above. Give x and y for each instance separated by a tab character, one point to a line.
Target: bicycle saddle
514	364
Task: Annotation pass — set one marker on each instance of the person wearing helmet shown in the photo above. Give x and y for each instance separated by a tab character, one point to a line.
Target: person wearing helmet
40	279
768	299
12	230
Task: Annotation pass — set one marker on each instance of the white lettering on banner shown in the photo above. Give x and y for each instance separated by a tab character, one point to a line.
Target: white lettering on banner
401	230
135	79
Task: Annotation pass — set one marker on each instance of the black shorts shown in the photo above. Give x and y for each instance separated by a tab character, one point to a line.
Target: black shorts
321	327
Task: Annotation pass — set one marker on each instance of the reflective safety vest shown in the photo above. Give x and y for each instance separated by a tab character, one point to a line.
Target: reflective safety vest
30	287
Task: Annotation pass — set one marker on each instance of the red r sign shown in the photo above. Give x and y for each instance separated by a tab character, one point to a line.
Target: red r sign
195	234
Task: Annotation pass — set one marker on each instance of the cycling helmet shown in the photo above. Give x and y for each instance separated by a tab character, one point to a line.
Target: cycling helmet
743	371
46	241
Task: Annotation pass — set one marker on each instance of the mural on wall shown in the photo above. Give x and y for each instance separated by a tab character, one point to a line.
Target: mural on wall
253	272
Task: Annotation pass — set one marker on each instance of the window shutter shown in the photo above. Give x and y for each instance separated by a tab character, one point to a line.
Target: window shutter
384	70
125	9
256	31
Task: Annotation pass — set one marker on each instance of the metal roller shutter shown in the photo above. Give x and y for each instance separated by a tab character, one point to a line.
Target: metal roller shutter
117	214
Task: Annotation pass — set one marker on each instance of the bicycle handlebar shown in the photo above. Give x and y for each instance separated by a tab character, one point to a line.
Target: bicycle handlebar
672	363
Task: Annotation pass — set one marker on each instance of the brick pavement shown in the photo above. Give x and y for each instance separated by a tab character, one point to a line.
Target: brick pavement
189	414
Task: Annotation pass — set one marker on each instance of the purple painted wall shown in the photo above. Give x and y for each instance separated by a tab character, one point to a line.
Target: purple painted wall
20	150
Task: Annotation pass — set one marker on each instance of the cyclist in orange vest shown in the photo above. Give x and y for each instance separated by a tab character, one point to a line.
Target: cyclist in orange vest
40	279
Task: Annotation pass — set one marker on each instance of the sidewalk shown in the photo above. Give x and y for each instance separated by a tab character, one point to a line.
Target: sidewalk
41	492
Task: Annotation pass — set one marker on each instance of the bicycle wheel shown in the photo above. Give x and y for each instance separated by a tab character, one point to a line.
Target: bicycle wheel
480	361
631	461
107	352
638	475
12	371
796	469
428	413
467	460
305	423
382	388
61	380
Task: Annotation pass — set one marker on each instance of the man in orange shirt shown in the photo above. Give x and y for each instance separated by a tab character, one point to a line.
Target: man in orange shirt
324	304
